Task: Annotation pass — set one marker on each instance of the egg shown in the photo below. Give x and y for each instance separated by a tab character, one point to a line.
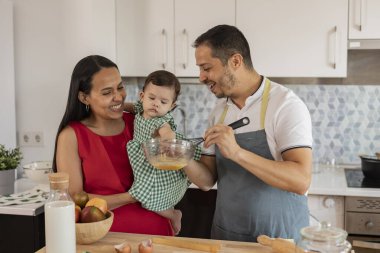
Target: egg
146	246
123	248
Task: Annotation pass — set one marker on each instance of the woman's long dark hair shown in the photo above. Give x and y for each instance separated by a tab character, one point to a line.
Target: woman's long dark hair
81	80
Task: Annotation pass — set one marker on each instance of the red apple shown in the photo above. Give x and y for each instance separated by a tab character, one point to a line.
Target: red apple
77	213
91	214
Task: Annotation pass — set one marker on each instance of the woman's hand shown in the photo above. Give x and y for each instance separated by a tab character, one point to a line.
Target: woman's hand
116	200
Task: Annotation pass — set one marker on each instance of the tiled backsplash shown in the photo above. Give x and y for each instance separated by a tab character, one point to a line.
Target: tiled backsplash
345	118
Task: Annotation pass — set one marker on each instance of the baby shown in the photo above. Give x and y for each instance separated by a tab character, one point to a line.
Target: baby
157	190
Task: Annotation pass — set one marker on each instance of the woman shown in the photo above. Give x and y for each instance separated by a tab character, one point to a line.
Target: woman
91	145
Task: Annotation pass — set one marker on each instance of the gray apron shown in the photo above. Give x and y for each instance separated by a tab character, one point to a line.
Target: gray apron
246	207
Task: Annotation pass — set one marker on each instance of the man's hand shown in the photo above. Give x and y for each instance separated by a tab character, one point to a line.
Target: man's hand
224	137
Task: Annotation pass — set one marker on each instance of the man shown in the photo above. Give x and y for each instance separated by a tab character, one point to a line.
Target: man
263	170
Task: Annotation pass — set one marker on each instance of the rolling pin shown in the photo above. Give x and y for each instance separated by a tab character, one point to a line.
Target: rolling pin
279	245
187	244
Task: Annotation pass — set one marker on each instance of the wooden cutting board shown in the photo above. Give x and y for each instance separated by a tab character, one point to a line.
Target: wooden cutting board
106	245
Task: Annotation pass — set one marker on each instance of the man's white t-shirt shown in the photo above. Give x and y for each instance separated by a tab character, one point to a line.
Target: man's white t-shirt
287	119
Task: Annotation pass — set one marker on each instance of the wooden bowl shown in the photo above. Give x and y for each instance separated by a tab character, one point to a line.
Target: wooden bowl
87	233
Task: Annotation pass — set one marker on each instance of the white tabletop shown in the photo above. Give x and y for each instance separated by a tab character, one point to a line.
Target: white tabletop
22	185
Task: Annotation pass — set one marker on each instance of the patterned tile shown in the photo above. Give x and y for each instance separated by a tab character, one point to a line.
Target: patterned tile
345	119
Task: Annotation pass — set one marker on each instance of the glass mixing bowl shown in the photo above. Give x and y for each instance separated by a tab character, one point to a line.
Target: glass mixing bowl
172	154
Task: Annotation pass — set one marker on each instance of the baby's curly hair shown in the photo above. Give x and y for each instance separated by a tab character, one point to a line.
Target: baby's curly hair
164	78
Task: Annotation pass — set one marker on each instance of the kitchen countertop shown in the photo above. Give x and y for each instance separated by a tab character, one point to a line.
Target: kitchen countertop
21	185
106	245
329	181
332	181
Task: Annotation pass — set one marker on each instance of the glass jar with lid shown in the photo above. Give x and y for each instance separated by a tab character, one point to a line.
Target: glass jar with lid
324	239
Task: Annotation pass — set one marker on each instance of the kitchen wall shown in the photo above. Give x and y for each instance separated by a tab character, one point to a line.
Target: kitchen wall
49	39
345	118
51	36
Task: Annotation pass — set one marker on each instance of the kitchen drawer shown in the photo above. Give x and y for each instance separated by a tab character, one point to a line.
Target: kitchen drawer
21	233
327	208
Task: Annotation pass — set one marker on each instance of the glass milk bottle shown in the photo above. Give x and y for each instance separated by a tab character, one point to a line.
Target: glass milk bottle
59	216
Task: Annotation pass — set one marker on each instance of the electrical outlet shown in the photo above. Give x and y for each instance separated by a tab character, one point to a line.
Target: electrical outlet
29	139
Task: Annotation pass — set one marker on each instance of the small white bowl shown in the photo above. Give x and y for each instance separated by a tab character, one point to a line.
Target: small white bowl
38	171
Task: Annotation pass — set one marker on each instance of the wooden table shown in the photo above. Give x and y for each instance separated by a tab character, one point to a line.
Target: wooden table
106	245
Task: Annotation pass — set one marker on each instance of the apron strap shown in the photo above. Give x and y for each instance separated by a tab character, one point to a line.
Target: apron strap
264	103
223	115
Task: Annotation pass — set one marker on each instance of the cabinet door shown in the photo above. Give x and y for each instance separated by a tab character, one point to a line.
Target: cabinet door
192	18
364	22
327	208
296	38
144	36
7	82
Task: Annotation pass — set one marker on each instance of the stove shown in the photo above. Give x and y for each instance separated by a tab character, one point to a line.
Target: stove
362	214
356	179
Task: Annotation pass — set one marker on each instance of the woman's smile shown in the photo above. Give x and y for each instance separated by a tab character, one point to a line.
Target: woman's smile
116	108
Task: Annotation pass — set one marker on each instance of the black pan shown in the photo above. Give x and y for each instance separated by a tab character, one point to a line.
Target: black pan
371	166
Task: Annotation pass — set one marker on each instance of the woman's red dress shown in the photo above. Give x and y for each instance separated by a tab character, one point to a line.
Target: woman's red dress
106	170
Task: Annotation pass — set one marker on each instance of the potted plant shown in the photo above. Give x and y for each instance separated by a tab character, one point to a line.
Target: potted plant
9	160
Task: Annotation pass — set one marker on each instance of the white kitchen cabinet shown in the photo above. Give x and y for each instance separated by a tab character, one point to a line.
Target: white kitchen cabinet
158	34
192	18
364	19
7	76
144	36
327	208
296	38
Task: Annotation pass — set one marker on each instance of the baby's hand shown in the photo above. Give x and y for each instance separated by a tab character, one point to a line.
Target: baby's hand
166	132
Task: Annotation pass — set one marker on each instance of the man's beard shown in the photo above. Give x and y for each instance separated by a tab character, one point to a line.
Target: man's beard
228	81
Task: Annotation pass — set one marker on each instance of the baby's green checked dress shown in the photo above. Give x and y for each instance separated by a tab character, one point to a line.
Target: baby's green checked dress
155	189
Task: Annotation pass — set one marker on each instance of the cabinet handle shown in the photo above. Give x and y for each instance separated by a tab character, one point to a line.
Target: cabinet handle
360	12
164	48
361	15
185	48
369	224
335	51
336	46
